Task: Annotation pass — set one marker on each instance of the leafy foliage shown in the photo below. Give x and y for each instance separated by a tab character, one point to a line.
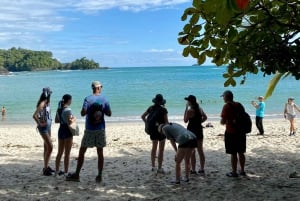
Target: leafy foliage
15	60
261	37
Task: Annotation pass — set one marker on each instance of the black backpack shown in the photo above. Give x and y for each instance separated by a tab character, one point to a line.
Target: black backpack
153	120
95	113
243	120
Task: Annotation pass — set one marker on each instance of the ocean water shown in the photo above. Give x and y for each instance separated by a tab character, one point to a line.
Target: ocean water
130	91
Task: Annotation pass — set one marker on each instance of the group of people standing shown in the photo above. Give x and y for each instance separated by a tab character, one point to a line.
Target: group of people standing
188	139
185	141
94	133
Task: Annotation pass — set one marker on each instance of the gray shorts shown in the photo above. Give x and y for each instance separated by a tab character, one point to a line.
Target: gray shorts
94	138
290	116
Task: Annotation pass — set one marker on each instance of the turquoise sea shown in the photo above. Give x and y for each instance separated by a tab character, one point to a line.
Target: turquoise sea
130	91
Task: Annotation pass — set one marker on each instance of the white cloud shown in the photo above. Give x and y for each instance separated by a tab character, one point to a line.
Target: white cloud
132	5
160	50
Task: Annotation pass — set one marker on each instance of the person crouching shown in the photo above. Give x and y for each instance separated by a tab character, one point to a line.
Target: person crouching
186	141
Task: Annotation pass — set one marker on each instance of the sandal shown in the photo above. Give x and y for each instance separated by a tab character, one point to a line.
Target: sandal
232	174
73	177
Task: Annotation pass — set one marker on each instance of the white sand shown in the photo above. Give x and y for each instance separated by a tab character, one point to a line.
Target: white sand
127	175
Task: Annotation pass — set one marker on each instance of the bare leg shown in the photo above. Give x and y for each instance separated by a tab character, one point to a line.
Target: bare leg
48	147
161	153
100	160
242	160
201	153
68	147
153	152
80	161
61	147
234	161
193	160
187	159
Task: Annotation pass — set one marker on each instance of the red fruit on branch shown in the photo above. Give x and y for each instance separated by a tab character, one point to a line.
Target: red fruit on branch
242	4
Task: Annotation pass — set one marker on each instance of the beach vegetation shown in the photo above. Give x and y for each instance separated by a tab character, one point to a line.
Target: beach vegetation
246	36
19	59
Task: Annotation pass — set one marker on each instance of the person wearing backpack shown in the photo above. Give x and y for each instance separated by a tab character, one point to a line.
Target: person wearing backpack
195	116
235	141
155	115
42	117
94	108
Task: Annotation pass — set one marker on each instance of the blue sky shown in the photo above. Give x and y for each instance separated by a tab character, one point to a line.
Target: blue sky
114	33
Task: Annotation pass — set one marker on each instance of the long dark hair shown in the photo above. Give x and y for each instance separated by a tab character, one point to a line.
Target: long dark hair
66	98
46	94
195	106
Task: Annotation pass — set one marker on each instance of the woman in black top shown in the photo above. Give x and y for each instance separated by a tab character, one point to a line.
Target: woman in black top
195	116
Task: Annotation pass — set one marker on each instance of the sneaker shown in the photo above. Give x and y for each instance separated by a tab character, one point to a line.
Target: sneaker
175	182
201	171
160	171
185	179
232	174
242	173
47	172
72	177
193	172
50	169
98	178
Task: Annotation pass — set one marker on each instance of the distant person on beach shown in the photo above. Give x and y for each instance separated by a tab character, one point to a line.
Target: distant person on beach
64	117
235	142
158	114
42	117
94	108
260	113
187	142
194	116
290	114
3	111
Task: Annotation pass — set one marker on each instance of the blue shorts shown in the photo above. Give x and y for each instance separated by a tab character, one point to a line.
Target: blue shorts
44	130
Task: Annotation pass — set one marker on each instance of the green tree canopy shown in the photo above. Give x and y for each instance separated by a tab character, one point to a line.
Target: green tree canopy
19	59
263	36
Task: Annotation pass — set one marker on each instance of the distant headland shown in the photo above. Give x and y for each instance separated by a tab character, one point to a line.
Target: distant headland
19	59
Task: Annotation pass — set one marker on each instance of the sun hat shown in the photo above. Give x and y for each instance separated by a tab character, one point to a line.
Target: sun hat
159	99
96	84
291	98
260	97
191	98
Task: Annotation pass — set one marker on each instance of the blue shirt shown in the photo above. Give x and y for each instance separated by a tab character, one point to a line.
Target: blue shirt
88	101
260	111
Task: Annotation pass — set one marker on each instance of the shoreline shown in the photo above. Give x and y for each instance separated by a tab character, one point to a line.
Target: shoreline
116	120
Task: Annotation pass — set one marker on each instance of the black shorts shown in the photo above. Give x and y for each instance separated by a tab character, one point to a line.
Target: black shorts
157	136
189	144
64	132
235	143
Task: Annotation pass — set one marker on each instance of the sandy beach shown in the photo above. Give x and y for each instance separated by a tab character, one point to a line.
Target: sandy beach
127	170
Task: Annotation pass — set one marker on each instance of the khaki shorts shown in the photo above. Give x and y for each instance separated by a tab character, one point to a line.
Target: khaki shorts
94	138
